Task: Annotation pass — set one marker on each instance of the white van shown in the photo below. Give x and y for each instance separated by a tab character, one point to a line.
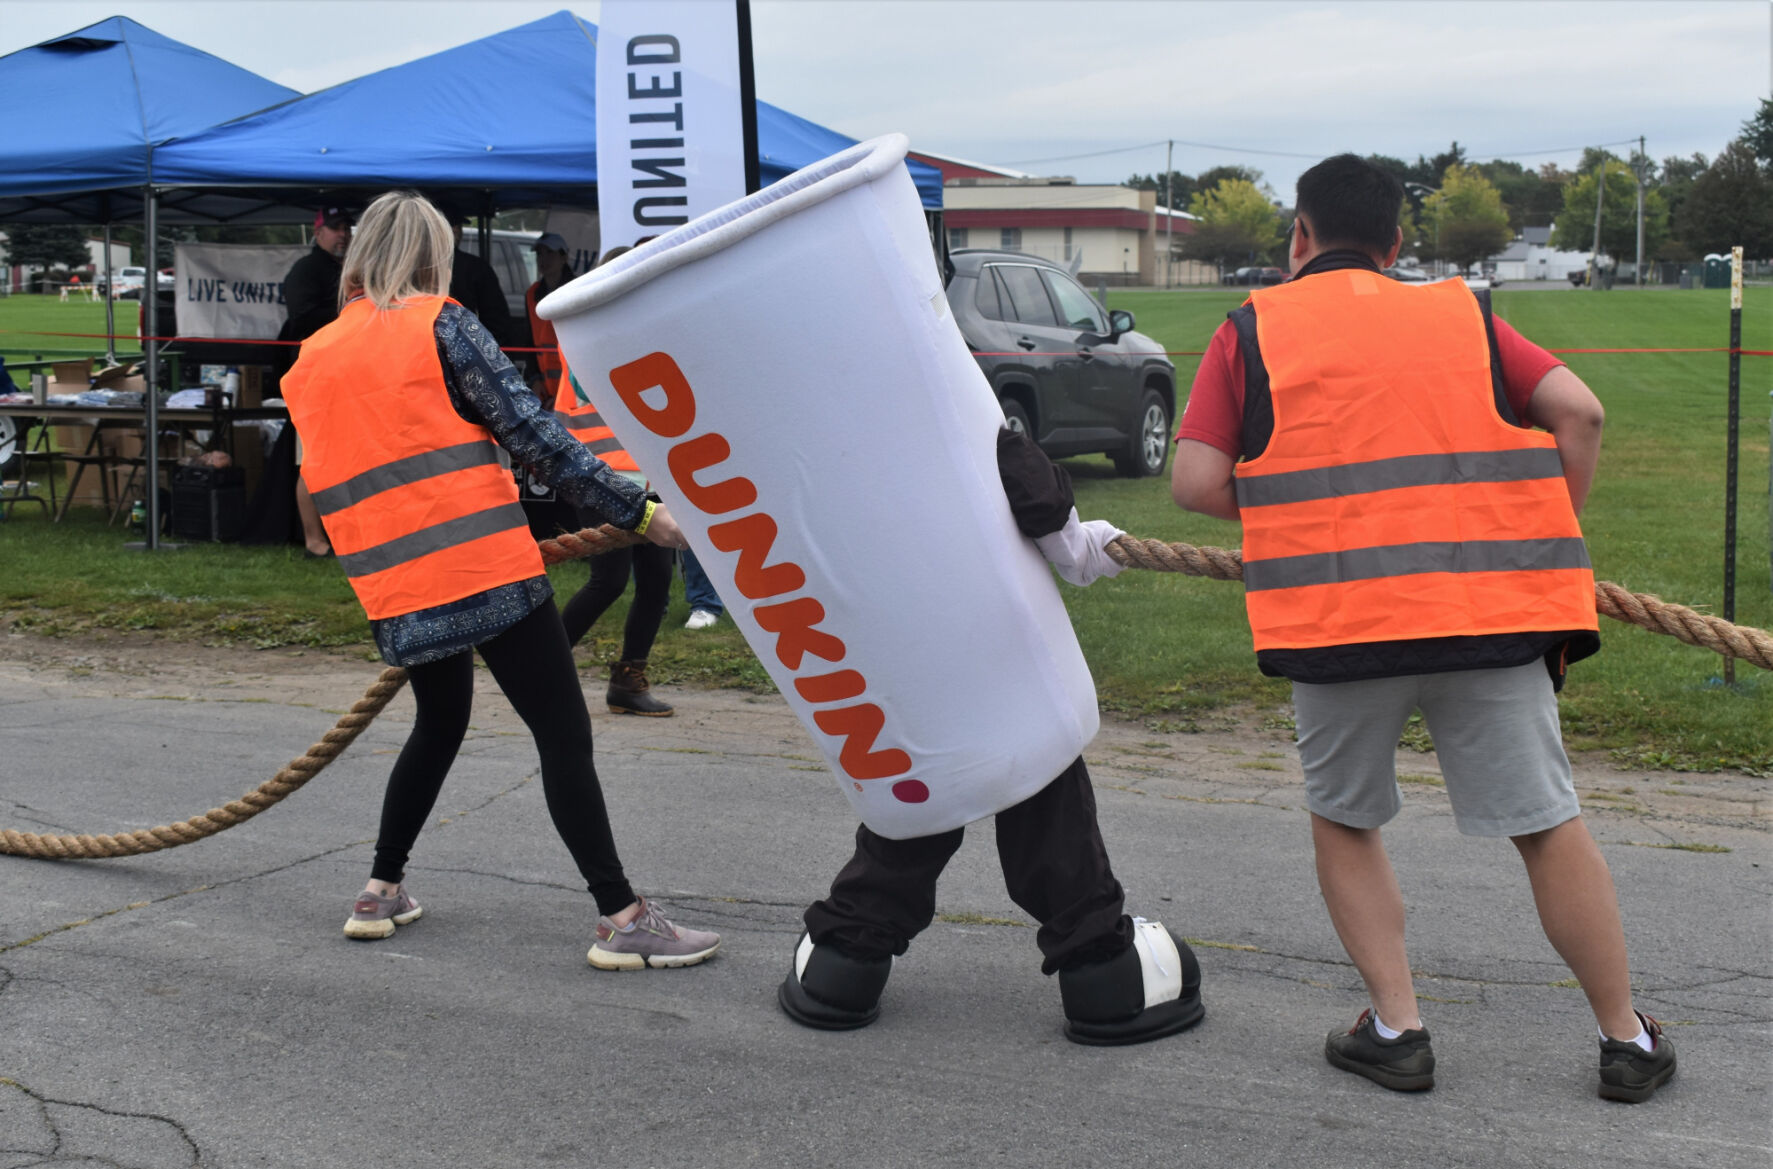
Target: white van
129	281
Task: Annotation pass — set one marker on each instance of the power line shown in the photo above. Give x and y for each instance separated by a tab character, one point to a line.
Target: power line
1491	155
1506	154
1096	154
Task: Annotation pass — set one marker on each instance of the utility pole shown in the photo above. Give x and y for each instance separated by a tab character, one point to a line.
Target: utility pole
1169	214
1594	259
1643	164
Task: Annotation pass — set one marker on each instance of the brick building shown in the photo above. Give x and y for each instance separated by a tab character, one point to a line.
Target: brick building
1107	234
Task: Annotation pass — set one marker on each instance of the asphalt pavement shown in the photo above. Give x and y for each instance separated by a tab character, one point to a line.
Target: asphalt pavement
200	1006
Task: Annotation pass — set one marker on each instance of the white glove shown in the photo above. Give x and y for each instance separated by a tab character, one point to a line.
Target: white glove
1077	550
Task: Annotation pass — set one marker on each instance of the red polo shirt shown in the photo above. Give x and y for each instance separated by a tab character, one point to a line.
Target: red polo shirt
1215	411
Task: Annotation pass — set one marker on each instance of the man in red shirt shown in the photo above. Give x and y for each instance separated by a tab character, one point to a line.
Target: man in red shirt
1408	471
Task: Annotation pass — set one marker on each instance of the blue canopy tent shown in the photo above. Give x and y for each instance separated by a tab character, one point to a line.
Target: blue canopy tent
506	121
89	110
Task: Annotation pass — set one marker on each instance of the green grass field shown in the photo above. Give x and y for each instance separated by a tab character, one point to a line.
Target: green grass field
28	323
1172	649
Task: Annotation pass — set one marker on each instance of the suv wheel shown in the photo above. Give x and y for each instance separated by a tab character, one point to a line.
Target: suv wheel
1149	446
1016	418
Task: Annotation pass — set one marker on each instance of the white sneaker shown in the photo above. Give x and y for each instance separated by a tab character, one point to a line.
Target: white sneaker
701	619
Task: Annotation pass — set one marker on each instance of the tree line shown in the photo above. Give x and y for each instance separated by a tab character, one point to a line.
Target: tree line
1462	212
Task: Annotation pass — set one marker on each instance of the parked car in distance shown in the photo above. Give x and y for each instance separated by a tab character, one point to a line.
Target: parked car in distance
129	282
1074	376
1409	275
1254	276
165	281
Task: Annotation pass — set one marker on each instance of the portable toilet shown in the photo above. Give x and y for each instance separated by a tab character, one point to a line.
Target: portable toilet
1717	271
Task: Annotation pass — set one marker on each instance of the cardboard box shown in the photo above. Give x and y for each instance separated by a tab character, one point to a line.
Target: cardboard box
78	373
249	456
257	382
73	438
116	377
70	436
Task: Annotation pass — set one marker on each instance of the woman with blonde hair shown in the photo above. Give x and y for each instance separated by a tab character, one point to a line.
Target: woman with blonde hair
401	404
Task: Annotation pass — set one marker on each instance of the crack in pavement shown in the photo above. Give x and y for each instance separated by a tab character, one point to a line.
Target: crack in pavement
57	1140
483	804
8	947
33	816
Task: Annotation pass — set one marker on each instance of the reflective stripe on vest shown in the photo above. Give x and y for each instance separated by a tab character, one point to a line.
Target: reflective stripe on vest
588	427
414	498
1393	502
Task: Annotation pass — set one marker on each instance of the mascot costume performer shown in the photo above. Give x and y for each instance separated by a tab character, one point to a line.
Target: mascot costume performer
787	371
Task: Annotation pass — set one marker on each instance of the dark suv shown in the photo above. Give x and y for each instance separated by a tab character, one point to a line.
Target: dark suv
1066	371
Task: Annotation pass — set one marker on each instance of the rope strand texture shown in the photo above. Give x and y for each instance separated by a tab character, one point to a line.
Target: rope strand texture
1714	633
1752	645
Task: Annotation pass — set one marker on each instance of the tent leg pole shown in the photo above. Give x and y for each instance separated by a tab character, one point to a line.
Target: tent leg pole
151	351
110	303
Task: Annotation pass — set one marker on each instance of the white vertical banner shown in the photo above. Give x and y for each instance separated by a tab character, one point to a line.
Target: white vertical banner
670	136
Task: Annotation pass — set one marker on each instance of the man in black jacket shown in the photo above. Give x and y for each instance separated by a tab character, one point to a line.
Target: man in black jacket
311	300
311	289
475	286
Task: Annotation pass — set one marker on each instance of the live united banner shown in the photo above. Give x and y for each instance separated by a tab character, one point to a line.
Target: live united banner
670	137
232	290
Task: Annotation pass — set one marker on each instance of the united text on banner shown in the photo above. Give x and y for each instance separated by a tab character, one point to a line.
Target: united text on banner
670	138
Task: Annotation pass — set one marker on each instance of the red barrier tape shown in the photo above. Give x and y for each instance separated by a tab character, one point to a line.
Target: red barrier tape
114	337
976	353
1201	352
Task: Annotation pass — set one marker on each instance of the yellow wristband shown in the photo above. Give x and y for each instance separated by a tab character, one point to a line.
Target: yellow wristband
646	517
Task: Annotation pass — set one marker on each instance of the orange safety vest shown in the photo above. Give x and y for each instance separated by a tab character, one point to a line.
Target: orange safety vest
587	425
1393	501
541	333
415	499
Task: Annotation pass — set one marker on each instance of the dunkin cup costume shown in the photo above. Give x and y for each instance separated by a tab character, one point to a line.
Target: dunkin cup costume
786	370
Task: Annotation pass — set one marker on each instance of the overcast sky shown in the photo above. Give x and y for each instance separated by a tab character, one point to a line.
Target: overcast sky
1033	84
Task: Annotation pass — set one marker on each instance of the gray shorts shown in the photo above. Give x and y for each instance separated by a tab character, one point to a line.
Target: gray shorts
1496	732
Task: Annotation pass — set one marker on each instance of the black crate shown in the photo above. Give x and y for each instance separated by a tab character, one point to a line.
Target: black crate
207	509
189	476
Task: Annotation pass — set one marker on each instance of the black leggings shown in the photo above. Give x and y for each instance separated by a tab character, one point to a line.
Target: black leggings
533	665
650	566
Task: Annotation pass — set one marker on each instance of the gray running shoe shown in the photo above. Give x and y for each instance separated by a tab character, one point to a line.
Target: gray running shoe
1630	1073
375	917
649	940
1404	1064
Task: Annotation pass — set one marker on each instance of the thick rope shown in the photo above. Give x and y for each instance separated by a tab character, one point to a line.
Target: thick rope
1752	645
1714	633
566	546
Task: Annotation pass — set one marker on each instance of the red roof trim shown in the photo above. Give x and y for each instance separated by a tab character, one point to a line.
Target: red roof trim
1057	217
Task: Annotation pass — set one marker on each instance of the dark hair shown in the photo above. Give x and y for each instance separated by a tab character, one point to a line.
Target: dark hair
1349	202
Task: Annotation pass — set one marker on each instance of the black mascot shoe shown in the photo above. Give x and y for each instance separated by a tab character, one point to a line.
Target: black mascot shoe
830	990
1150	990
